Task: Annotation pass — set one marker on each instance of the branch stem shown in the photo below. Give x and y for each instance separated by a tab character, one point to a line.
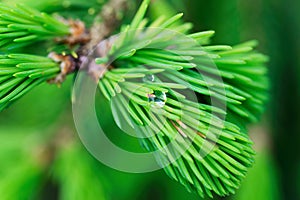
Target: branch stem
107	21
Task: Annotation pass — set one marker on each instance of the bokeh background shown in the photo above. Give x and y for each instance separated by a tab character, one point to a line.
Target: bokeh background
41	156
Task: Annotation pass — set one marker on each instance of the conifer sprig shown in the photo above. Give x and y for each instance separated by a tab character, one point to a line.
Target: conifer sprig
21	25
153	67
218	152
215	154
19	73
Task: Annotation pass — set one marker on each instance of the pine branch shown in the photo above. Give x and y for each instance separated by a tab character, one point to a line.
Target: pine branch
19	73
21	26
158	109
145	72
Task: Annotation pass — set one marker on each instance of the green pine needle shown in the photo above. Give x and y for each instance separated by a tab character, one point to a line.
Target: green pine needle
19	73
21	25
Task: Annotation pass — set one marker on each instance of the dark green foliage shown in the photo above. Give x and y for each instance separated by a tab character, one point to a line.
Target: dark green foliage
77	175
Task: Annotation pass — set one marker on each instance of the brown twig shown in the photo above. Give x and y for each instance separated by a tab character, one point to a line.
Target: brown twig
67	65
106	22
104	25
78	33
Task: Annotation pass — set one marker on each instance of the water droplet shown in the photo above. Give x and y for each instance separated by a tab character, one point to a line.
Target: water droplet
66	4
91	11
157	99
149	78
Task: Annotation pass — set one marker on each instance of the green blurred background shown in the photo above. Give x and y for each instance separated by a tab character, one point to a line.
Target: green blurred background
42	157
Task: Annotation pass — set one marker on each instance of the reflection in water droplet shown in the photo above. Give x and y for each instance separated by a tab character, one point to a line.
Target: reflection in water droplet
157	99
91	11
149	78
66	4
